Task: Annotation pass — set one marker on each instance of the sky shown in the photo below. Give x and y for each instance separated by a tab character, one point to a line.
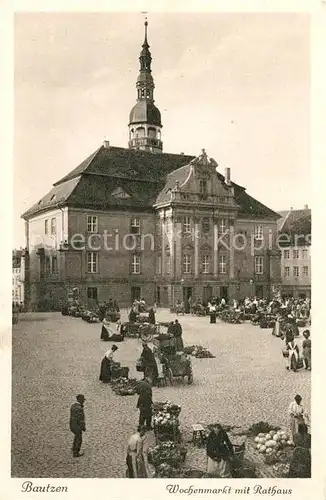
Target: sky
237	85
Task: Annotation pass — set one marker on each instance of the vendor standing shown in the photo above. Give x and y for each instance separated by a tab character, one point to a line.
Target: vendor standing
144	404
106	365
212	312
149	363
178	336
151	316
219	453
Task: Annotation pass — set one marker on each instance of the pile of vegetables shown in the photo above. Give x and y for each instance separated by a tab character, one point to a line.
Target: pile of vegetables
230	316
167	407
198	351
168	453
166	418
124	386
165	422
272	442
166	471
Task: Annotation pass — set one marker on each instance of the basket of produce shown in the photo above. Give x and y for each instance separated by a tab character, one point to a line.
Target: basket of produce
169	453
165	422
124	386
166	407
124	372
115	372
281	470
285	352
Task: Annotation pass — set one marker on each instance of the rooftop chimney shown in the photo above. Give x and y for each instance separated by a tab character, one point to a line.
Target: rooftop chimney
291	208
182	153
106	144
306	207
228	176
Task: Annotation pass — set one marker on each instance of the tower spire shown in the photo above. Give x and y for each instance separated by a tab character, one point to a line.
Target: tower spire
145	118
145	58
145	44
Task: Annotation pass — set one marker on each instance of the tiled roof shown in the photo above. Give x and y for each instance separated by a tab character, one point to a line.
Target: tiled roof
295	221
129	163
59	194
180	175
141	174
250	207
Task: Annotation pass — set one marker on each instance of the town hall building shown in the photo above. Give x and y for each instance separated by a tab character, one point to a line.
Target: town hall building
138	222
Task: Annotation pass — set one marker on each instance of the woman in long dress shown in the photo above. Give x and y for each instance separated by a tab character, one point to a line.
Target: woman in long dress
219	453
106	365
297	415
306	350
106	331
277	327
293	357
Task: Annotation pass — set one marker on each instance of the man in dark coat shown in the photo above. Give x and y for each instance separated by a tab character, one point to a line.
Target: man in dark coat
144	404
149	363
178	336
77	424
151	316
132	316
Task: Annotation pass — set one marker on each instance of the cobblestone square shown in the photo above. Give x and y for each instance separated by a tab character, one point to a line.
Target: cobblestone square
56	357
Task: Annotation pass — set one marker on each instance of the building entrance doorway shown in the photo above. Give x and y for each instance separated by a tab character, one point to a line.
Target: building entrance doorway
135	293
207	294
92	296
187	293
224	293
259	291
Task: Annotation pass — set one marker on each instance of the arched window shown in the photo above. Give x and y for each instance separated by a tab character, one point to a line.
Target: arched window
140	132
152	133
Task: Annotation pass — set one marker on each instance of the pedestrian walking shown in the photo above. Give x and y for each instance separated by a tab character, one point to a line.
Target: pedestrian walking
77	424
306	350
293	358
145	403
106	365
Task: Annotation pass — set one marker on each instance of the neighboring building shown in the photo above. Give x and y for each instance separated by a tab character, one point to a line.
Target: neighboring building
18	276
166	214
295	228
